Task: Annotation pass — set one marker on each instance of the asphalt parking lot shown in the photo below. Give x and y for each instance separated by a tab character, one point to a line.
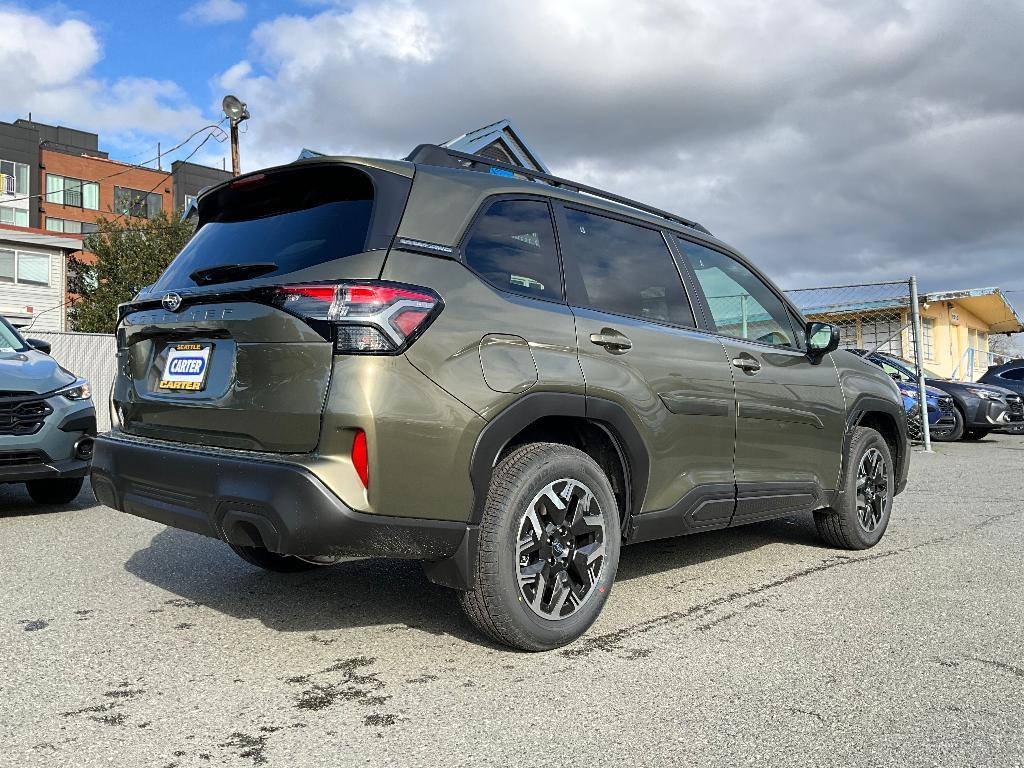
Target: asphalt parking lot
124	643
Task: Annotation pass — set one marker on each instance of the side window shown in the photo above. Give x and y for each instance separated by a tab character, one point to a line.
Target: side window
741	305
513	247
622	268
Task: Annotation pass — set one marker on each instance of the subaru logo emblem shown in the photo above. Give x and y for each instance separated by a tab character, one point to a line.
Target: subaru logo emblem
171	302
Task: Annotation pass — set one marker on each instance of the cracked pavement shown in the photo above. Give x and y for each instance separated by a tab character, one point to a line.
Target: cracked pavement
126	642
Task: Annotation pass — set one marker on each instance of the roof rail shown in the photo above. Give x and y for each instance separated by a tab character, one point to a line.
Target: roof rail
431	154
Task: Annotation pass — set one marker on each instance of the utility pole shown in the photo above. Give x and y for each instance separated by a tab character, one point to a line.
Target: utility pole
235	111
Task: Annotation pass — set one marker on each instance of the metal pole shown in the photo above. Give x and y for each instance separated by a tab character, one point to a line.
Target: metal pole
235	162
915	317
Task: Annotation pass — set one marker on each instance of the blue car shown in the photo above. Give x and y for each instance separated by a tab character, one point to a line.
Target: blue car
942	421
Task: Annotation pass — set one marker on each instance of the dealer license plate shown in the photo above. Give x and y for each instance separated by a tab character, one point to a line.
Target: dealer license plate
186	367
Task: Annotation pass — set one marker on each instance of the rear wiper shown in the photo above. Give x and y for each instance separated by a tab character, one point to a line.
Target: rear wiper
225	273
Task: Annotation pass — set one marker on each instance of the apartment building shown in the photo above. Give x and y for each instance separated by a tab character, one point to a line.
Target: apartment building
58	179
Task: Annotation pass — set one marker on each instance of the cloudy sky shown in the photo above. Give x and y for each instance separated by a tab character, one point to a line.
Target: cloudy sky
830	141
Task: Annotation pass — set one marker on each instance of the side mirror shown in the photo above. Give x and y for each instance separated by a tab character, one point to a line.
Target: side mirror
822	338
42	346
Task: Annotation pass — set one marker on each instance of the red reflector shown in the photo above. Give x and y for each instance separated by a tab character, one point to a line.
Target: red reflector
359	460
409	320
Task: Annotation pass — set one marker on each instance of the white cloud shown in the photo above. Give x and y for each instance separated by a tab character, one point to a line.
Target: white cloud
214	12
826	139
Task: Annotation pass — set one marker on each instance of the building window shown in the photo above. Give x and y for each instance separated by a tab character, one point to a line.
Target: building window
13	178
928	338
70	226
6	266
883	335
847	333
136	202
75	192
15	216
33	268
24	268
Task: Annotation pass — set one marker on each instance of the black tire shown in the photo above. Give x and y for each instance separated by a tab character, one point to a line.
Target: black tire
975	434
61	490
573	562
951	433
272	561
845	527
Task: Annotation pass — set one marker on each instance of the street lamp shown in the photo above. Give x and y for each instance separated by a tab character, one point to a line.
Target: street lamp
236	111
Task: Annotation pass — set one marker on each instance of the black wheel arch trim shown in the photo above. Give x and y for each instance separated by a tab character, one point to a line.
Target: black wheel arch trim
861	407
607	415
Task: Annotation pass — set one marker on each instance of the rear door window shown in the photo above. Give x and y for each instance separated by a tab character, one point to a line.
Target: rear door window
512	246
622	268
276	224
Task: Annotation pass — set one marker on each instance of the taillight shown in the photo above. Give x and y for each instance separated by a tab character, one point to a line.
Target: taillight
367	317
359	460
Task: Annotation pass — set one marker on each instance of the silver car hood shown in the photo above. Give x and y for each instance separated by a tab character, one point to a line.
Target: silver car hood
31	371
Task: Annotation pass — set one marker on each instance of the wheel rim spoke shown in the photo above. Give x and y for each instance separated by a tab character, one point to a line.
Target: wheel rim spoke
872	489
561	549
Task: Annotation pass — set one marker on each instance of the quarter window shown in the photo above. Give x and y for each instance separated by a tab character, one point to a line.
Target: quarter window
622	268
513	248
741	304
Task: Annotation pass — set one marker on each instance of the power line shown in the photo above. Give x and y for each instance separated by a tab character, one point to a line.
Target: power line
187	158
213	127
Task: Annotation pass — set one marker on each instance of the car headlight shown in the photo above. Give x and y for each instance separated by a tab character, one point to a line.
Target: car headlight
80	391
985	394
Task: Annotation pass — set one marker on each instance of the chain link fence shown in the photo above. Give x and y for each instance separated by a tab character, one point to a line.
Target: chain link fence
91	356
874	317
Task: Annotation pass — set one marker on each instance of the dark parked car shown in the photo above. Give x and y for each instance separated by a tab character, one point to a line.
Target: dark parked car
47	420
1010	376
373	357
981	408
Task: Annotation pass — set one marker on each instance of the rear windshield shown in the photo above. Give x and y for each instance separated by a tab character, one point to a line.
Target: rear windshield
275	224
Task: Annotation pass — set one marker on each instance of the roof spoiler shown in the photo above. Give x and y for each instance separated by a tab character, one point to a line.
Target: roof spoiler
432	154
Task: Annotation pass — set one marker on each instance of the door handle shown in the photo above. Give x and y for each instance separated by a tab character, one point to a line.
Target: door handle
746	364
612	340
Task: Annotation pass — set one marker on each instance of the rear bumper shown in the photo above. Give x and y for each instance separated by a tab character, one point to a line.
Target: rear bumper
252	502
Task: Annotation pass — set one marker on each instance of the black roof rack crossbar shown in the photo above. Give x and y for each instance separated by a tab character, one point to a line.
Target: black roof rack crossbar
431	154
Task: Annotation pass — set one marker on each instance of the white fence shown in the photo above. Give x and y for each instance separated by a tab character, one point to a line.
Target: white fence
91	356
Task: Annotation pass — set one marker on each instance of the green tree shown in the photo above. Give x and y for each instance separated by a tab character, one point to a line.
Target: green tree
129	254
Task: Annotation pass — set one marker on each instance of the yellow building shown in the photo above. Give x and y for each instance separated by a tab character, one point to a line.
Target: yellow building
956	326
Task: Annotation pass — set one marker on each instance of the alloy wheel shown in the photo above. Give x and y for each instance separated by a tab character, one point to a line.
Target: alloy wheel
561	549
872	489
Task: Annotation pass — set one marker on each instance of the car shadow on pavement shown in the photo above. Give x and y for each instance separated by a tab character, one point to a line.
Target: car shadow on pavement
376	592
15	502
639	560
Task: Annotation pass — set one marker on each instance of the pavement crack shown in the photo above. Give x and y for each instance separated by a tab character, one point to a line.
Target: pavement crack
610	641
1000	665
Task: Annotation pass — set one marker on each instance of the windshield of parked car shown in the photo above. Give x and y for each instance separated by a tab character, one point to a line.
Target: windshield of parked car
10	341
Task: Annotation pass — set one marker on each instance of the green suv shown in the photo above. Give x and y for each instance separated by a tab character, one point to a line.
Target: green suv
500	373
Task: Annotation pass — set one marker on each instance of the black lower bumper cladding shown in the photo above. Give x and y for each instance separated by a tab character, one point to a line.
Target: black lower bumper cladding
251	502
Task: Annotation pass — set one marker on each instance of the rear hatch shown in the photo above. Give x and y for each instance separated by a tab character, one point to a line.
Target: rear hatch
211	353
